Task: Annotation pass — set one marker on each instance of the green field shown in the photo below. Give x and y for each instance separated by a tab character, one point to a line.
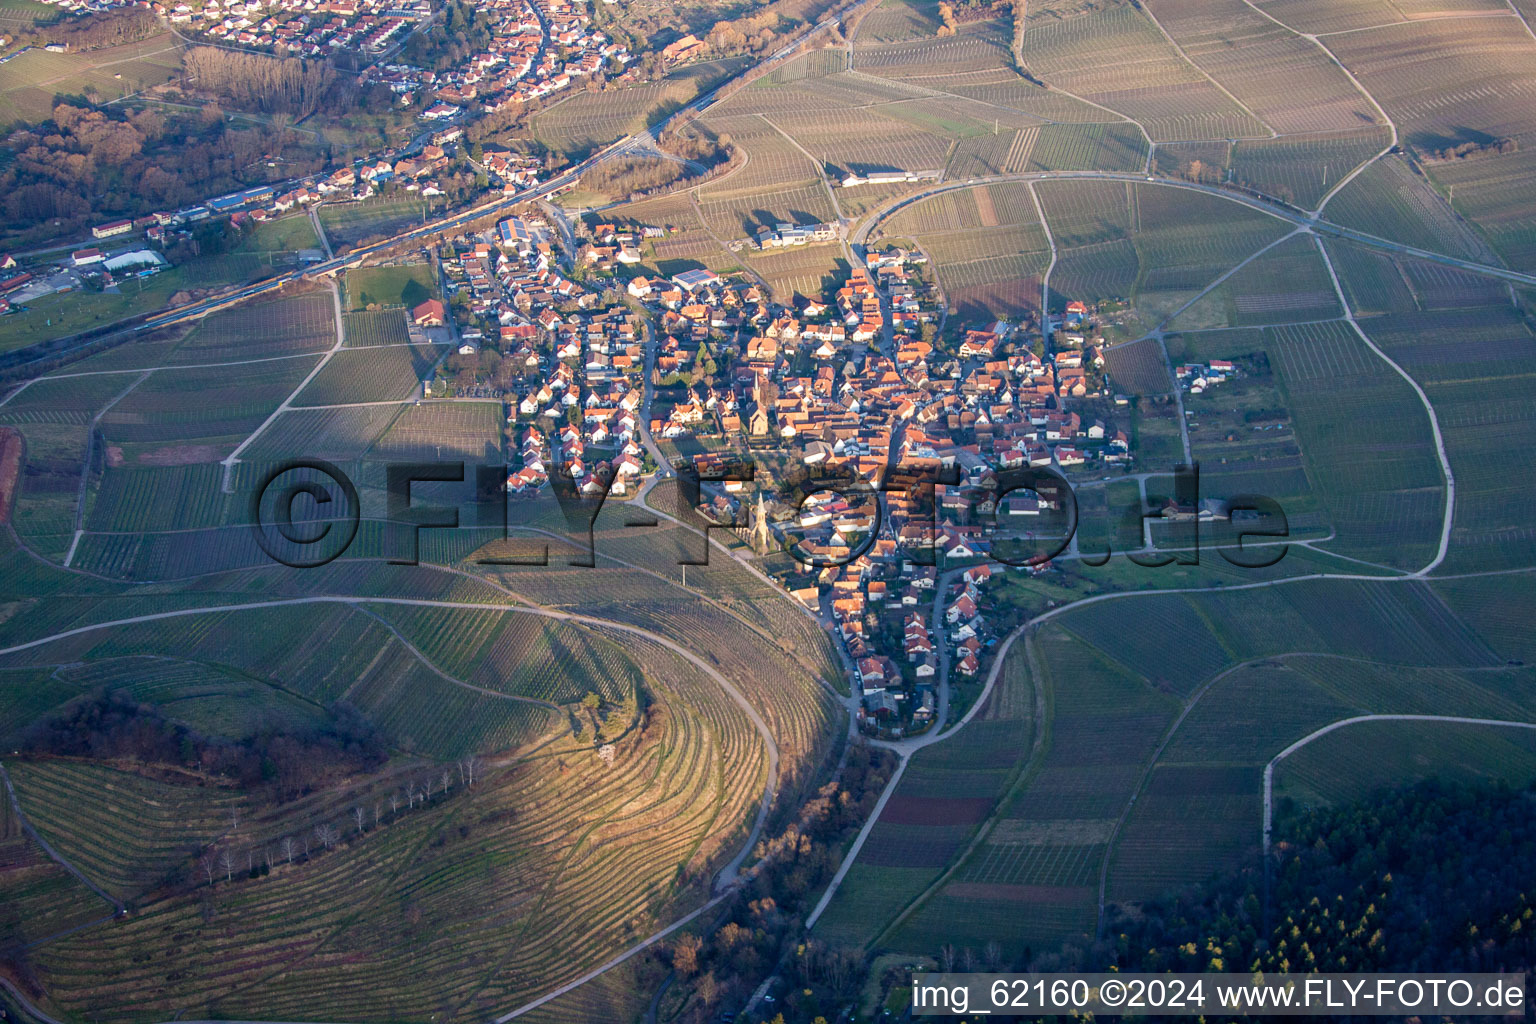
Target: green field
406	285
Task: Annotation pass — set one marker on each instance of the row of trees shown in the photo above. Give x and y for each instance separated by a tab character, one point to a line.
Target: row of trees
223	859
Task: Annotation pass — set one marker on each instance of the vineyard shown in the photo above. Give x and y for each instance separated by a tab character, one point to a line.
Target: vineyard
1388	200
376	375
1378	477
378	328
1457	356
443	430
1287	81
1115	56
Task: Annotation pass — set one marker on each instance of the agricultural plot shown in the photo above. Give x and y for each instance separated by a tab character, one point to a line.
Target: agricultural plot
38	898
1139	368
998	288
977	46
740	216
448	430
209	699
1374	282
1447	81
379	327
1496	604
401	285
1103	272
379	375
552	844
338	435
687	243
1047	842
123	831
1318	16
1288	284
1492	191
28	83
1388	200
1186	240
863	141
898	21
587	121
1351	763
1476	365
162	498
521	655
1114	56
1189	822
1083	147
1005	87
289	325
1300	170
1285	80
946	792
1087	212
349	223
1366	443
54	418
174	411
773	161
808	272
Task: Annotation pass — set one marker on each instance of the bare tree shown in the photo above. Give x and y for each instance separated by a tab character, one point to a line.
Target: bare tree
462	780
207	861
326	834
306	846
268	854
376	806
428	787
227	862
992	955
410	795
358	816
234	819
947	958
288	846
250	860
446	778
472	765
394	805
968	959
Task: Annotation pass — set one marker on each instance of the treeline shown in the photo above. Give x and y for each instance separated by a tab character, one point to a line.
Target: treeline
764	932
1469	150
95	31
111	726
1436	877
269	85
84	165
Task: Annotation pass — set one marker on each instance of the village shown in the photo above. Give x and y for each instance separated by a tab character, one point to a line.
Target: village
612	376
